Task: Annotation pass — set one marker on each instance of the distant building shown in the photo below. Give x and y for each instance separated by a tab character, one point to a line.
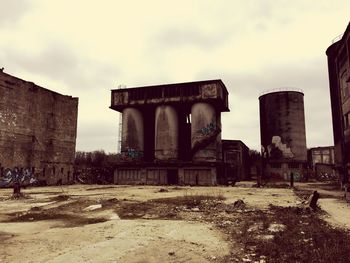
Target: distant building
321	160
282	131
37	131
171	134
339	84
236	155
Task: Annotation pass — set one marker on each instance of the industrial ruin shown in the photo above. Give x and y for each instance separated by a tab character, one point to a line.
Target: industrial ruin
282	131
37	133
339	85
321	162
172	134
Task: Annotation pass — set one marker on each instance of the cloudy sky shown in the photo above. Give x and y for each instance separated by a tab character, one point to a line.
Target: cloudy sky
85	48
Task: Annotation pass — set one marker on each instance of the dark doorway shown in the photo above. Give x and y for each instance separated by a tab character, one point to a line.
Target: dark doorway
172	176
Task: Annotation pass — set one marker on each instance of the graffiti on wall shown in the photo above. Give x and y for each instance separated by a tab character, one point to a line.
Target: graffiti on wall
23	176
120	98
209	91
296	176
211	127
131	153
204	136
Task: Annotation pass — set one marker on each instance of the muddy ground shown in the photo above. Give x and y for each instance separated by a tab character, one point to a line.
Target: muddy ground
91	223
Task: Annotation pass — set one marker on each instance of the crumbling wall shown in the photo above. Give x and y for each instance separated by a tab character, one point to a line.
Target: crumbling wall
37	131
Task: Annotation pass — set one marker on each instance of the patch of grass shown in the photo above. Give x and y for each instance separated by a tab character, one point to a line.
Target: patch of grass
70	220
305	194
19	196
189	201
302	194
60	198
134	210
306	237
276	185
164	208
74	206
80	221
102	188
44	193
110	202
177	188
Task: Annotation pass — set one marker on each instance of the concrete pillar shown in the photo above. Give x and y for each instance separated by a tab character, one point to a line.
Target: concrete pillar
132	134
166	133
205	132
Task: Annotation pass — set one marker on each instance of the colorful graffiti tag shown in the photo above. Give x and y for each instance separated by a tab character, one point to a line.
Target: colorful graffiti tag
297	177
132	154
211	127
22	176
204	136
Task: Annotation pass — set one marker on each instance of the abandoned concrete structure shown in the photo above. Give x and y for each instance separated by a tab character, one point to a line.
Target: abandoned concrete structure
171	134
37	130
235	155
339	84
282	131
321	160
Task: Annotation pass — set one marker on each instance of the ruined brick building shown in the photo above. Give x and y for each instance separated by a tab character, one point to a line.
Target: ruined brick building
235	155
339	84
37	130
171	134
321	161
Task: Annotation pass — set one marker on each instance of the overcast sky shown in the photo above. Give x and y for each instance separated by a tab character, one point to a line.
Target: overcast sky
86	48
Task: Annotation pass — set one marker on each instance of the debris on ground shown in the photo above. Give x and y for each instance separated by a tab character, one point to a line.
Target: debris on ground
163	190
114	216
239	204
92	207
313	200
257	234
276	227
60	198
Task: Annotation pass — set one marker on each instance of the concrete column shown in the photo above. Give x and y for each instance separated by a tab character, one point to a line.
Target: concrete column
166	133
205	132
132	134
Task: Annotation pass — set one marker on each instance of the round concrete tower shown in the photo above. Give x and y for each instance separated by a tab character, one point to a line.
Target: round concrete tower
166	133
132	134
282	131
205	132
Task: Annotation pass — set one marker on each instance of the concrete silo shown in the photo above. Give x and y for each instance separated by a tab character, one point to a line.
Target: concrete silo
282	131
205	132
132	134
166	133
171	133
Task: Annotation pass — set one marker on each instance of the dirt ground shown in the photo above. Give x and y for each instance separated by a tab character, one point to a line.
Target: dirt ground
331	201
144	224
71	232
